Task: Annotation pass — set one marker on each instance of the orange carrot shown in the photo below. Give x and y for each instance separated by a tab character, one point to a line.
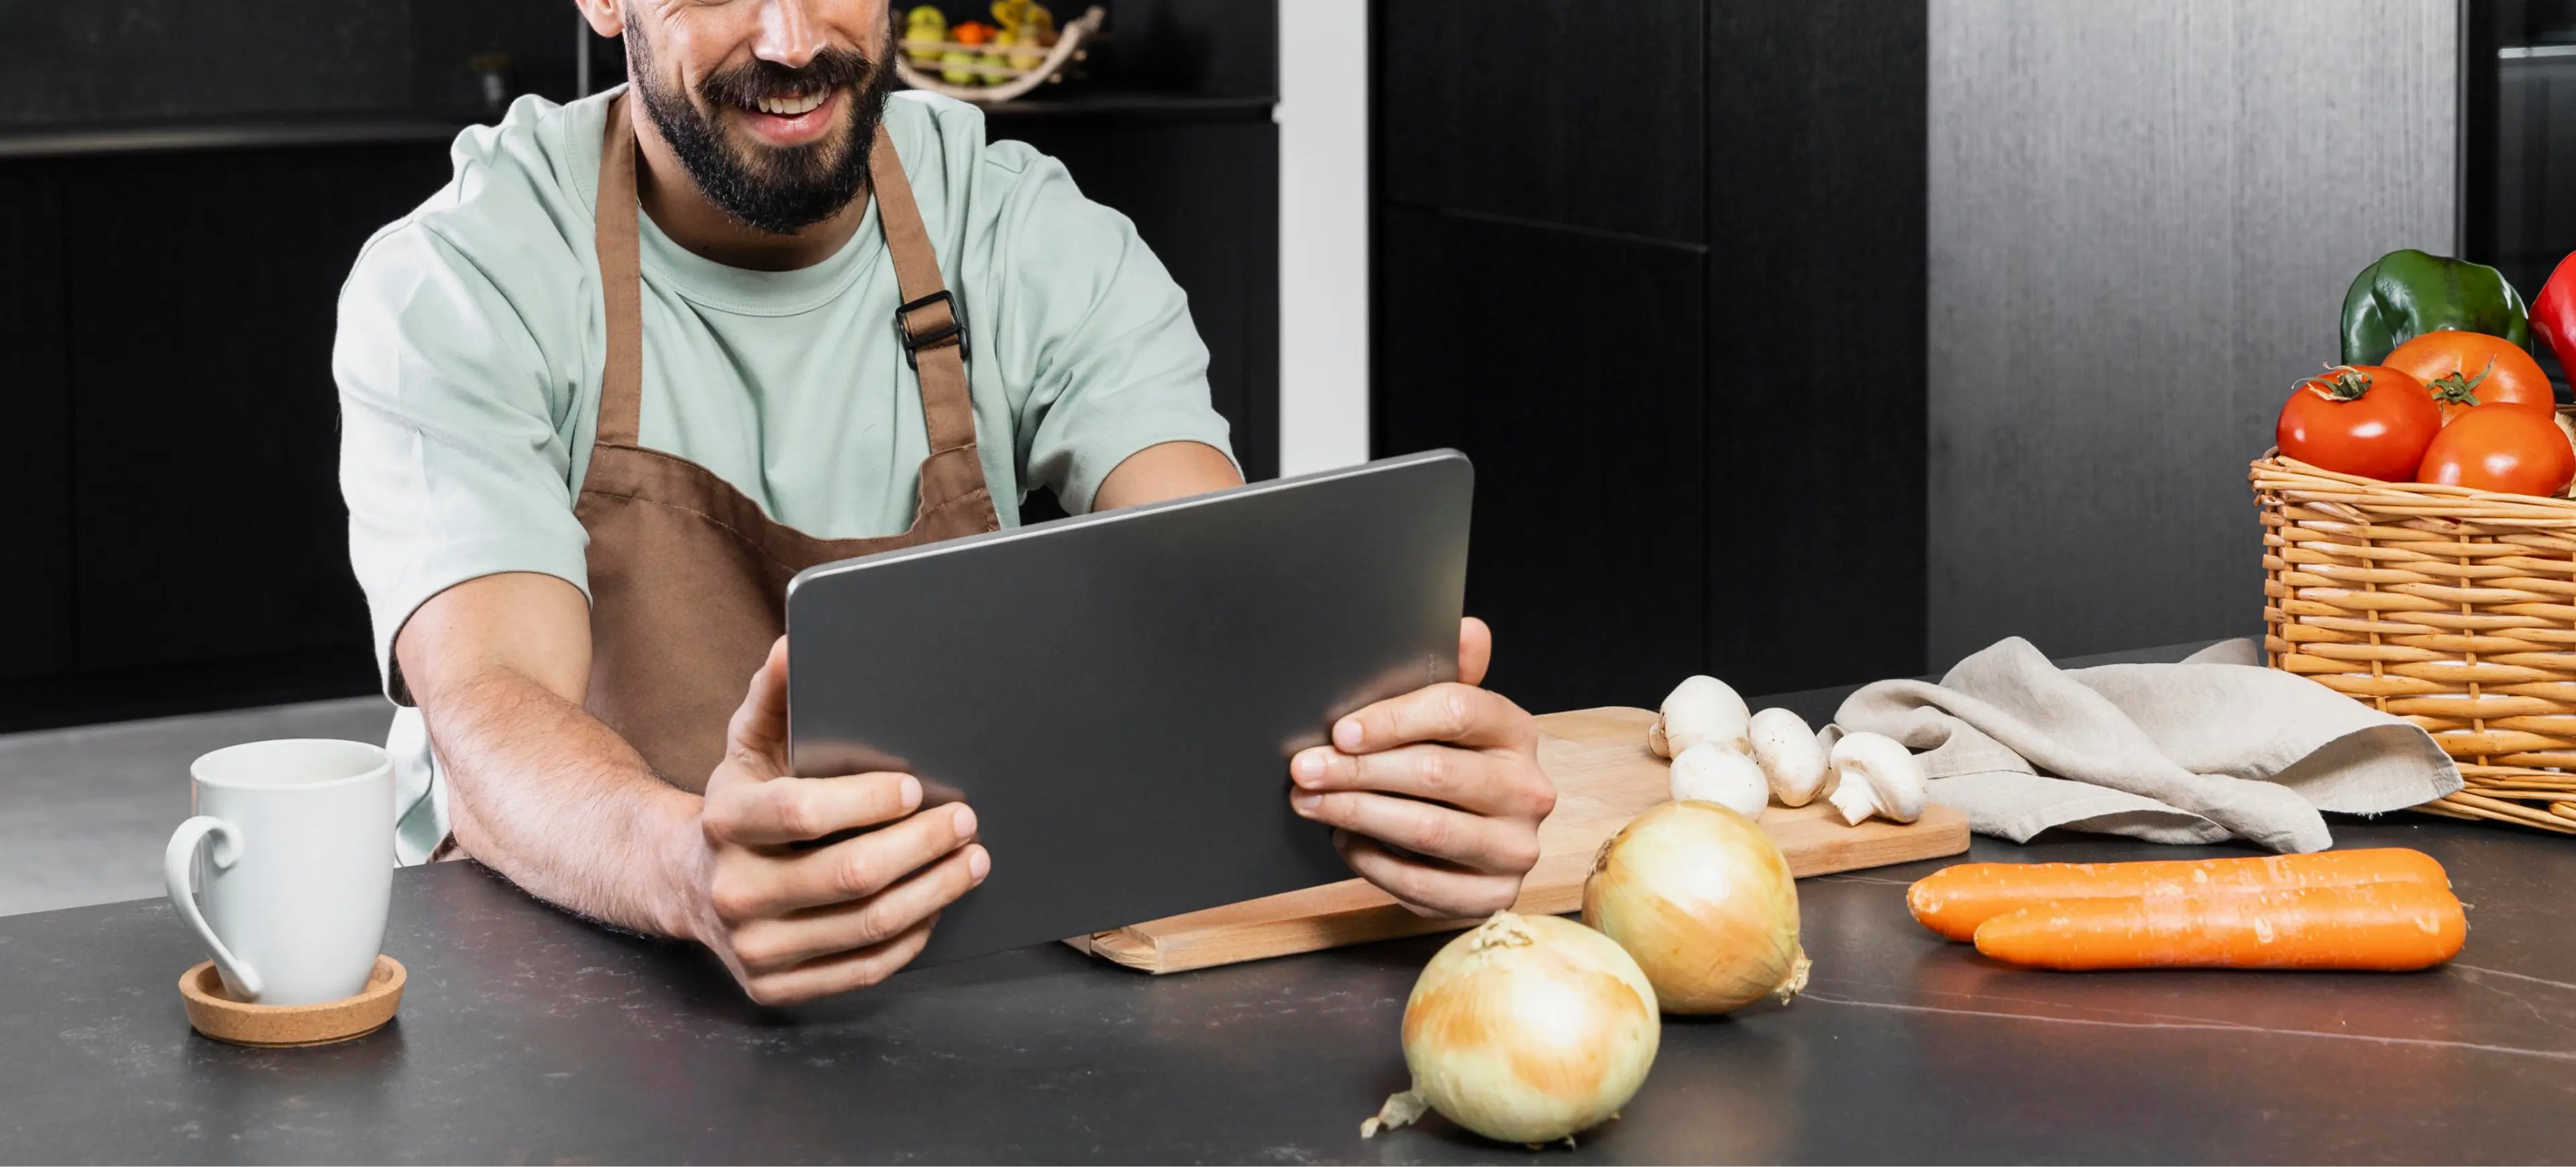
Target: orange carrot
2388	927
1955	899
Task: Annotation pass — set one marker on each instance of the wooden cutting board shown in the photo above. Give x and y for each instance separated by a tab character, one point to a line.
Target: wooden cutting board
1604	776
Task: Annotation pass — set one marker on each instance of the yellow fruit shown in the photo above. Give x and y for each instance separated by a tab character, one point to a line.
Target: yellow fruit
924	28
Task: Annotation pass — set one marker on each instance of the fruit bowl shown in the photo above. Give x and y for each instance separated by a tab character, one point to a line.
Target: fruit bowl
974	62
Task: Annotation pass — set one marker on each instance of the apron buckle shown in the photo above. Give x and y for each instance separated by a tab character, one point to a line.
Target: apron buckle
914	342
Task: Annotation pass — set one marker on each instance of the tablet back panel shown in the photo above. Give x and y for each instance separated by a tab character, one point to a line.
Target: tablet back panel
1117	695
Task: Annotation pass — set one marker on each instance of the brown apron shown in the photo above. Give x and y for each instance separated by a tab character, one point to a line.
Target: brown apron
688	578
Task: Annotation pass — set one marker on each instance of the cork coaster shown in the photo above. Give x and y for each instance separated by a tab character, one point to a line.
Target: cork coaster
218	1016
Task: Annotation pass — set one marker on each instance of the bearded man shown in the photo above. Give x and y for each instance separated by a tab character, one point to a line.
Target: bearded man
650	353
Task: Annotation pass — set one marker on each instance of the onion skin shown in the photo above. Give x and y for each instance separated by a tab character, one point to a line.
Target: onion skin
1530	1028
1705	903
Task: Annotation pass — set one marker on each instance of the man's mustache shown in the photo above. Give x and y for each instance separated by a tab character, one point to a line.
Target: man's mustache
745	86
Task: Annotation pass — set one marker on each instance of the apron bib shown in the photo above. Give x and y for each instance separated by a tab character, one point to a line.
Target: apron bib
688	577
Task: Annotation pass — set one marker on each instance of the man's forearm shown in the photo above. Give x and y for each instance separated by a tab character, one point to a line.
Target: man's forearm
545	794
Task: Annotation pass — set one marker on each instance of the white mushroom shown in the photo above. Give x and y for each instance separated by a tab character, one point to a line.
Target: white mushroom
1790	756
1876	774
1701	709
1709	772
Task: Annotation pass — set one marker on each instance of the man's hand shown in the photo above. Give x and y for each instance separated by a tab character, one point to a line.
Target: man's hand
1437	794
795	924
547	795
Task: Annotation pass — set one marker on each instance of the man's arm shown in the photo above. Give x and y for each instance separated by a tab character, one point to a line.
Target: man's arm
538	788
552	798
1436	796
1167	470
544	793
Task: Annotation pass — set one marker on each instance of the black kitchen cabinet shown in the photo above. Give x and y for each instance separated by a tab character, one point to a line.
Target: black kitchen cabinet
1662	277
1816	139
1567	114
35	440
165	335
1203	190
1192	48
1589	531
205	429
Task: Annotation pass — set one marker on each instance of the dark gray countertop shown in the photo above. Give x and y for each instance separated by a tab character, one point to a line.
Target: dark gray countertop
526	1035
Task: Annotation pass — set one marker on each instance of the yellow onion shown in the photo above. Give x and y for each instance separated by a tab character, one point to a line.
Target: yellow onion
1527	1029
1705	903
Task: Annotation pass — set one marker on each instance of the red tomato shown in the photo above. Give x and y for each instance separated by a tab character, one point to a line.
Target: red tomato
2367	420
2505	448
2465	370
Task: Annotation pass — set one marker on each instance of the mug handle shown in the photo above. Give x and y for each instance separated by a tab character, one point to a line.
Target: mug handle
176	860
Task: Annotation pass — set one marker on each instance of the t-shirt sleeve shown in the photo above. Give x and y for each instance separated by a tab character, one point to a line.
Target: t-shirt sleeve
453	460
1098	329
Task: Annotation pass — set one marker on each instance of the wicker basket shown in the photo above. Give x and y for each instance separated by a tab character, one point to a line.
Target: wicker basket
2452	608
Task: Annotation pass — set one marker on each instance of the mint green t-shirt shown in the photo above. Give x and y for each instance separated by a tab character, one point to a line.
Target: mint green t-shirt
471	339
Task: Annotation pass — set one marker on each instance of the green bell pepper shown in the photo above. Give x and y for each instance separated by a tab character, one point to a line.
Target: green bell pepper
2408	293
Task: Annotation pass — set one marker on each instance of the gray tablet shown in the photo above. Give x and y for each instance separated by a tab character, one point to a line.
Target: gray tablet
1118	694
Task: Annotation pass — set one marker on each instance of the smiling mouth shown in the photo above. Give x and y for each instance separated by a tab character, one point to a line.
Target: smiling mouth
788	107
797	119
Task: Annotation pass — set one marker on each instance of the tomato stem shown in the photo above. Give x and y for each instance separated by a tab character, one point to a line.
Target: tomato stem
2340	383
2452	389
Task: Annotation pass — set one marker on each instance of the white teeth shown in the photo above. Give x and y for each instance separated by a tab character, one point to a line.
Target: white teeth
788	107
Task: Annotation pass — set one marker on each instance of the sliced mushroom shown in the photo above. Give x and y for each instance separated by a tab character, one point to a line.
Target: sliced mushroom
1789	754
1876	774
1709	772
1700	709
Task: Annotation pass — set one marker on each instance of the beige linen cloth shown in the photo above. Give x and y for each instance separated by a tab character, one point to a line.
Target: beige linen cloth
2213	748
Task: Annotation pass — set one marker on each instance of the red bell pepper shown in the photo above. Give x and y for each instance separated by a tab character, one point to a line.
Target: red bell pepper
2553	315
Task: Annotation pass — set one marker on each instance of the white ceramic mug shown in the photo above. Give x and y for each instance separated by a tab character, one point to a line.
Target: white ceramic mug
292	849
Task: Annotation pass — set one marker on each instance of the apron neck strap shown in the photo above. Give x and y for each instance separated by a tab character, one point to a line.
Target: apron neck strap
621	284
932	330
934	334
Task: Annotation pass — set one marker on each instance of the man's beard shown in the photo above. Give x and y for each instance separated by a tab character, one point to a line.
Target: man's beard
780	190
